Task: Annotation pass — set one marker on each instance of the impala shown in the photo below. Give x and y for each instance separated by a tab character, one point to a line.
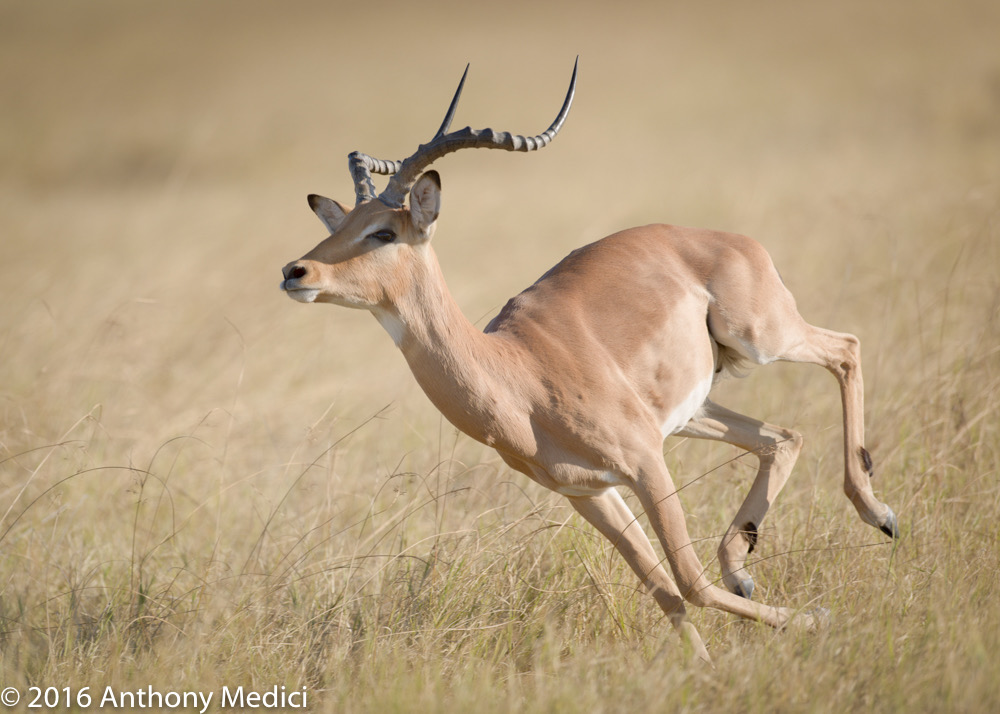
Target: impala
580	378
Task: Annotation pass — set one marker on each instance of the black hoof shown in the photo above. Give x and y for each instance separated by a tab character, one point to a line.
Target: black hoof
745	588
891	526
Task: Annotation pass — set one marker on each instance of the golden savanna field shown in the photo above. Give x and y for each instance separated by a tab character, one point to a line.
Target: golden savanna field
204	484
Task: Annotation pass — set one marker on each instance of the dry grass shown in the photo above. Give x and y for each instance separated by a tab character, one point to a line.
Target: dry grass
204	484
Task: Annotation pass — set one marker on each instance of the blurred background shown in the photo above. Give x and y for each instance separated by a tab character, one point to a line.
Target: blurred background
155	158
154	164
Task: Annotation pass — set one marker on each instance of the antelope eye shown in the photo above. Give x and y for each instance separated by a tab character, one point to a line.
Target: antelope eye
384	235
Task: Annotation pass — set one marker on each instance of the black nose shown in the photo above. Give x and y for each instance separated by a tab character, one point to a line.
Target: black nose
293	271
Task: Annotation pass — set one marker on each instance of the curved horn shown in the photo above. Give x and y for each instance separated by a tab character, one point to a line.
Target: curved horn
406	172
468	138
362	166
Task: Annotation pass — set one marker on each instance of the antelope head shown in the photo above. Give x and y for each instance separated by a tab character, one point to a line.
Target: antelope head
370	250
374	250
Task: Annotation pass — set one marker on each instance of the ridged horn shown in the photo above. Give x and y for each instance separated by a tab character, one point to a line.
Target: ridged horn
361	167
405	173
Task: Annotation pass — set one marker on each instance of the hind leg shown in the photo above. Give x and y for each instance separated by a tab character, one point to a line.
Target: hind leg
759	321
660	500
840	353
776	449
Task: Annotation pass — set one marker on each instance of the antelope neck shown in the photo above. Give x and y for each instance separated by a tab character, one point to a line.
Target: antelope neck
462	370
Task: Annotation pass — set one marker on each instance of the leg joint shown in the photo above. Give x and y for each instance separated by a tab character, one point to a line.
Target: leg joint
785	447
670	602
699	596
791	442
849	357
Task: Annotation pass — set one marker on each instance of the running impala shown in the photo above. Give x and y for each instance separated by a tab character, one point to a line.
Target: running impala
580	378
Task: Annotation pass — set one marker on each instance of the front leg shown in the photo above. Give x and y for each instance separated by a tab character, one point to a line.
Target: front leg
611	516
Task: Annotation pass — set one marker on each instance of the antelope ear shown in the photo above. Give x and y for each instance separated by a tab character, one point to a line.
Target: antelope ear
425	203
329	211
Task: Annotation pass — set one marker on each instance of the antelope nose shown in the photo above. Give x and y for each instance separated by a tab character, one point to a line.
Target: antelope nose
294	271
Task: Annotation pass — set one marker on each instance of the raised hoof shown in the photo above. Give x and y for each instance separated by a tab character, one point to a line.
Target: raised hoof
744	588
891	525
813	620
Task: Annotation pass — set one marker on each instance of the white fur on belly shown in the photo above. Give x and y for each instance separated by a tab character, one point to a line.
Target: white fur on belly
683	412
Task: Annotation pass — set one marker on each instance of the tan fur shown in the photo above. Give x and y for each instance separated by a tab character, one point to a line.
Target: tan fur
573	381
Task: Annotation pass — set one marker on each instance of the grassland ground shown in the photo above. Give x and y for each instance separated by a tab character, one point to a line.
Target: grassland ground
203	484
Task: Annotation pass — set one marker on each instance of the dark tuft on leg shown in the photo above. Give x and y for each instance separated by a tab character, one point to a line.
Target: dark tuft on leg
866	460
750	533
